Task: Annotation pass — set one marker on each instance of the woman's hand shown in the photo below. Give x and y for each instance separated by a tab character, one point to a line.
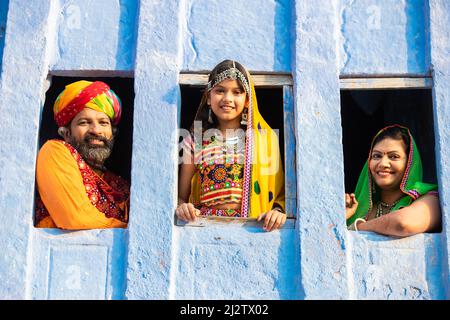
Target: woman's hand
274	219
187	212
351	204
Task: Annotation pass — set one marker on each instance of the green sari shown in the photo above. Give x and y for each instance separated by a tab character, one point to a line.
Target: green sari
367	193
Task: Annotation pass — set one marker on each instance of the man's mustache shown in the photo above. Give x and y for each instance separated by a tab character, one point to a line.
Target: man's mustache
89	137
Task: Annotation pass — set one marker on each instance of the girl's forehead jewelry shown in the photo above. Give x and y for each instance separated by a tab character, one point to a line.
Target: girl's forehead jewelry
230	74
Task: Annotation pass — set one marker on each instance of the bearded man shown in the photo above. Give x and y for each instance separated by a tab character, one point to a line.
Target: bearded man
75	190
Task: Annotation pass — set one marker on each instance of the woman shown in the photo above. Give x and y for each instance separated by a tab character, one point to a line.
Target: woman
390	197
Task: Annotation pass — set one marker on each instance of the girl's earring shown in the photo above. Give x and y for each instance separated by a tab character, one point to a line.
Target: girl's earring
210	119
244	117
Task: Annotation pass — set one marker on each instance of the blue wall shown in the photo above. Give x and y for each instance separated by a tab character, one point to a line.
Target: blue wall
384	37
106	28
314	256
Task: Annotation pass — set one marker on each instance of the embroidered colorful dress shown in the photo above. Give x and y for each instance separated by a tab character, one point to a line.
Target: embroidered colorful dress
220	165
254	177
368	194
72	196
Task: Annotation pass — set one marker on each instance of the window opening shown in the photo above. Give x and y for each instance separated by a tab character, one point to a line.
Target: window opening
364	112
274	94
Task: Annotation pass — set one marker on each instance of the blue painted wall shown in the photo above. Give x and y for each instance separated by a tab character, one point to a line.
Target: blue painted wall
106	28
256	33
313	257
384	37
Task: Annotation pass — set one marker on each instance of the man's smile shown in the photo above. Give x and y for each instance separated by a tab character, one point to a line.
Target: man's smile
96	141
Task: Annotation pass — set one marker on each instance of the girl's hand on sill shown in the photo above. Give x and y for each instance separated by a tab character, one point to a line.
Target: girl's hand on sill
274	219
187	212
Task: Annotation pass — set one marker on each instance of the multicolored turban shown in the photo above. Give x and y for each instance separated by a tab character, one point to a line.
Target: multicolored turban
85	94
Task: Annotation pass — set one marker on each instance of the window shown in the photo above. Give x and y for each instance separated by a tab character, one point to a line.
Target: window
275	102
365	109
367	105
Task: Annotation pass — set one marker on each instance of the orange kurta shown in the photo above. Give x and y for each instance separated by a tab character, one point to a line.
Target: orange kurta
62	191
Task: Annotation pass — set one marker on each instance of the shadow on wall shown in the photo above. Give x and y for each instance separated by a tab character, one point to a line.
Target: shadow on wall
289	267
3	15
283	24
417	35
126	50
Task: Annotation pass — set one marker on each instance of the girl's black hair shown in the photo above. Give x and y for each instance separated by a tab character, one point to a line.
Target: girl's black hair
396	133
203	109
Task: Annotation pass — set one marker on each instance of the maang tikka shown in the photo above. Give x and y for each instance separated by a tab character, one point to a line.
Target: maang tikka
232	73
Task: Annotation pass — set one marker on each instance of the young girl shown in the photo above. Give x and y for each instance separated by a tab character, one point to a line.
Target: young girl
390	197
232	165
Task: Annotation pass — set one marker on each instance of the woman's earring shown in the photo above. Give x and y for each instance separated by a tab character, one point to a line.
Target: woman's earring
244	117
210	119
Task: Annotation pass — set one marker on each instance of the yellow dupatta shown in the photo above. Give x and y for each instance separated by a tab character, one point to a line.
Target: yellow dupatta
267	177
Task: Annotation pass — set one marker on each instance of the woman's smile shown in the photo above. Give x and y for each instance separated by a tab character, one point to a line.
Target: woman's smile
385	173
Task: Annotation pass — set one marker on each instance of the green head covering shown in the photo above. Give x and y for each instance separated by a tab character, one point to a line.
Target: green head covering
367	193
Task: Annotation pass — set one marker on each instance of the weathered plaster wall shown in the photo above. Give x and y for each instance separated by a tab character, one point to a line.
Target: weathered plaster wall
255	33
384	37
77	265
155	159
396	269
104	29
235	262
23	75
